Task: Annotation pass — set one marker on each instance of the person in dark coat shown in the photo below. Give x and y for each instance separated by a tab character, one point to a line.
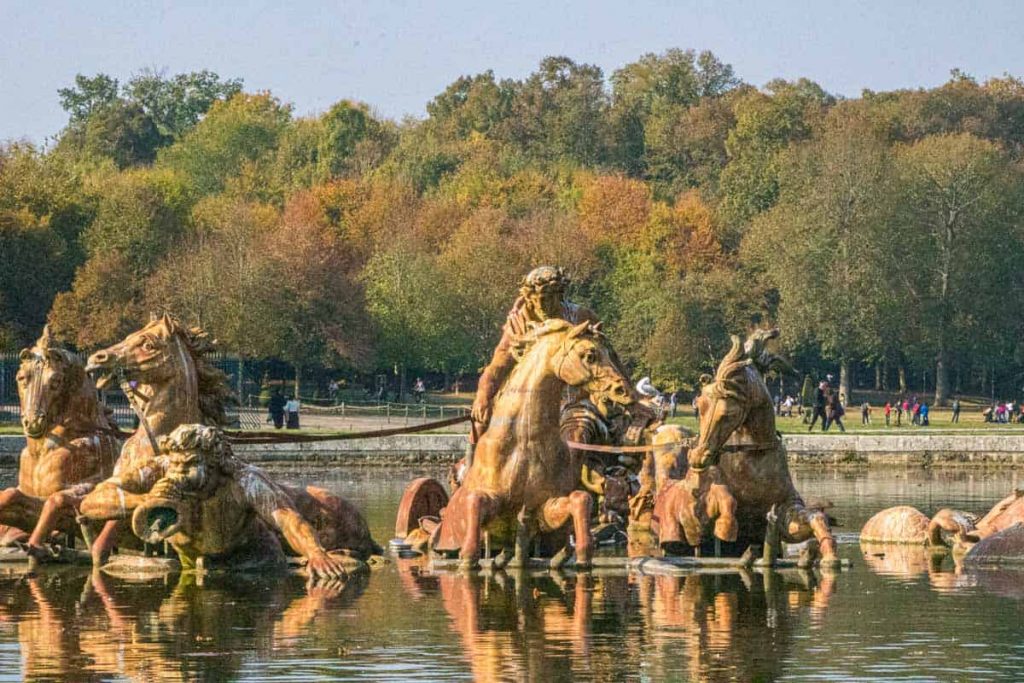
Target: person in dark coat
820	400
276	408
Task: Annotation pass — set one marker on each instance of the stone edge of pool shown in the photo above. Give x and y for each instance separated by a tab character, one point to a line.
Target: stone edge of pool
921	450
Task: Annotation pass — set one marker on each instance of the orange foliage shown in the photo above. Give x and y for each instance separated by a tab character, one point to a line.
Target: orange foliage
614	209
698	246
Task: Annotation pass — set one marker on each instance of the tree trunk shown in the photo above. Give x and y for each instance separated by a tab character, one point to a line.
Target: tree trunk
878	376
903	380
298	379
885	375
942	378
844	382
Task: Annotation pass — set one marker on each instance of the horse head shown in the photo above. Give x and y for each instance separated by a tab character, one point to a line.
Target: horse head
726	402
584	359
166	355
47	377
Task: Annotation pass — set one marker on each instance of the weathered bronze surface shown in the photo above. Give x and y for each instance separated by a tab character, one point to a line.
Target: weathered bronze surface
739	455
161	369
71	442
948	528
221	513
523	481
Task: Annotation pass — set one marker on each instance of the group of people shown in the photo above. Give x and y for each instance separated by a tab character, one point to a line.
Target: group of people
916	412
283	412
1004	412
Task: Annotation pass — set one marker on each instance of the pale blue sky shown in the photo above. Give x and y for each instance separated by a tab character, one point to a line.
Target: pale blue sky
396	55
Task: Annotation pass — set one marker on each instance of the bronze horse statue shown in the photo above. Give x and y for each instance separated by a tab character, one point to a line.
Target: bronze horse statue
523	482
162	370
71	441
739	448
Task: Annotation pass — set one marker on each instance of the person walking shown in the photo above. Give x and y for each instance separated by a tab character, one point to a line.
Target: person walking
291	409
835	412
820	401
673	402
865	413
956	409
888	413
276	409
924	414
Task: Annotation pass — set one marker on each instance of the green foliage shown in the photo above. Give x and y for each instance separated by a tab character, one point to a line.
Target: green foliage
686	206
88	96
239	132
176	104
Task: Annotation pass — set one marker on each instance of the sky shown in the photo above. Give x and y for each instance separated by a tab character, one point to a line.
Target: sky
396	55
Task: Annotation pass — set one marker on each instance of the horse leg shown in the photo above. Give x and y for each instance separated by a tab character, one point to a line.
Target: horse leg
521	553
57	508
953	521
557	511
105	542
722	508
802	524
478	511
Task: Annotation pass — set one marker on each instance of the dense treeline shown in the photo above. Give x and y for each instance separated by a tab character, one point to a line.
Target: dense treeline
882	233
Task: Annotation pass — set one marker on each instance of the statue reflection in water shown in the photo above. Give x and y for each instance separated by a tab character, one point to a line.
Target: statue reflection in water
517	626
73	625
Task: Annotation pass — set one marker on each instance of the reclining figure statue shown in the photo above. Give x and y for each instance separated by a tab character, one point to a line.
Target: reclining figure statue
219	512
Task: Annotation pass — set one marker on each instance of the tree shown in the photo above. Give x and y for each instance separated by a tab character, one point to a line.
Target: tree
819	245
958	204
765	123
674	82
176	104
88	95
243	130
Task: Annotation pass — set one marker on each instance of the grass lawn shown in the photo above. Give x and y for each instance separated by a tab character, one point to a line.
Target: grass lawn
971	421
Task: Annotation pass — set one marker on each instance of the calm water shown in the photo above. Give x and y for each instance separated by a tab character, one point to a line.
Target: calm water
888	618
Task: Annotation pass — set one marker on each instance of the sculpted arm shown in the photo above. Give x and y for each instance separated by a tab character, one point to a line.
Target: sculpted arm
118	496
493	377
275	507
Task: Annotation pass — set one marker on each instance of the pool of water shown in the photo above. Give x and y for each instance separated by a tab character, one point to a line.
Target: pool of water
890	617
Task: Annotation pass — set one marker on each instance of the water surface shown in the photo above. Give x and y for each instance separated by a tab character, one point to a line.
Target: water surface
891	617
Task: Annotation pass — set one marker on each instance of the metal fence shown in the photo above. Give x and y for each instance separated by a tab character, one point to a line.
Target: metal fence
242	377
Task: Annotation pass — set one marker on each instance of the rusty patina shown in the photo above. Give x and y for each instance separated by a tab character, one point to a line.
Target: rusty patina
739	449
71	442
221	513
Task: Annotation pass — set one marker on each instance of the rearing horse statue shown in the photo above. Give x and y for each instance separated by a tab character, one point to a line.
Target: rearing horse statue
162	370
70	440
523	480
738	437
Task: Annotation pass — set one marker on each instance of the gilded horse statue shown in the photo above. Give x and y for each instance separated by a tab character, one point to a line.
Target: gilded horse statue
523	482
70	439
162	370
739	449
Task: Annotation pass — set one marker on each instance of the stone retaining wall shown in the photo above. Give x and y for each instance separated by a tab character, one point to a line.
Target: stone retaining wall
890	450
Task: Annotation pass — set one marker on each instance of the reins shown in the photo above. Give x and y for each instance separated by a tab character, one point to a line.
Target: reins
262	437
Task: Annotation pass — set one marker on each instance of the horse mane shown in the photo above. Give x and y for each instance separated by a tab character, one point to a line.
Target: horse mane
214	394
522	343
730	378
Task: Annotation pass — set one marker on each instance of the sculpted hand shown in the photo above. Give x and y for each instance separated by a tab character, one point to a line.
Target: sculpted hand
322	566
481	412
